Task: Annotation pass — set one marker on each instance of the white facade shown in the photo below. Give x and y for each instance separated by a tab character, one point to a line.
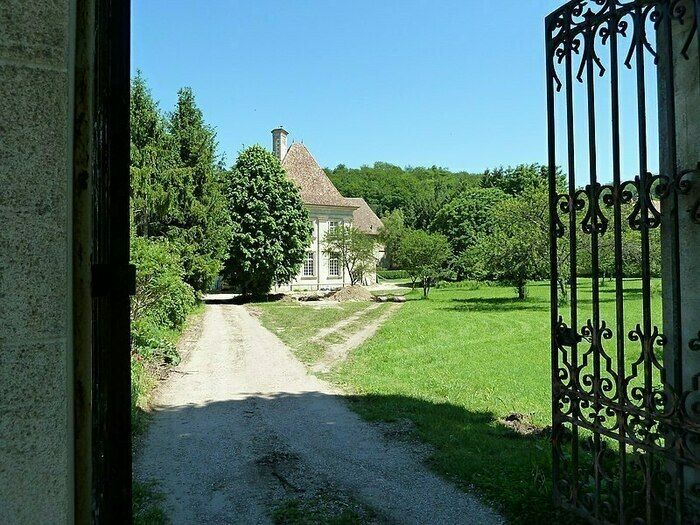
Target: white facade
327	209
318	271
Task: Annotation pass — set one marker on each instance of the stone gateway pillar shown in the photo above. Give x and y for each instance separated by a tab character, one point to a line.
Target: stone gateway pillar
679	133
37	58
65	453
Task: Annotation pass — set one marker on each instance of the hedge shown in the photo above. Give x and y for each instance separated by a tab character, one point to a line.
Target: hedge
393	274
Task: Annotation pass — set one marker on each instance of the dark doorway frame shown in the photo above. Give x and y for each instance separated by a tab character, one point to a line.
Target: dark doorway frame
102	118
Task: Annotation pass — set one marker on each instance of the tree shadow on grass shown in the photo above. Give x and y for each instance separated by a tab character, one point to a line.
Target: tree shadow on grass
298	444
496	304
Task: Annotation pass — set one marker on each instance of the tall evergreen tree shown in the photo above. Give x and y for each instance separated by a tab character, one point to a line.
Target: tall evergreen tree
152	162
203	230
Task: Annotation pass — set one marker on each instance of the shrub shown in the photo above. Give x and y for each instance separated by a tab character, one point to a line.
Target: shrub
393	274
162	299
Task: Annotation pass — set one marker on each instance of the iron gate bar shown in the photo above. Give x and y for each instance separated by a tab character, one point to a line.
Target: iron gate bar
652	428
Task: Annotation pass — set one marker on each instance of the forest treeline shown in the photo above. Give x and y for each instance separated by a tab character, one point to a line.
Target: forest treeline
418	192
495	224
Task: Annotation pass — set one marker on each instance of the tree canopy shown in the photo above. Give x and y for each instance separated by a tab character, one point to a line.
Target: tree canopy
425	256
271	227
517	250
467	217
177	183
392	231
515	180
417	191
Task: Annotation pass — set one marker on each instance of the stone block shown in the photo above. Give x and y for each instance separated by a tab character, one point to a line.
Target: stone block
34	444
34	277
34	31
34	151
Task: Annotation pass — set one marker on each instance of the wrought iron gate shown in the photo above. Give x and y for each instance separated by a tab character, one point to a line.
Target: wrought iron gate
626	431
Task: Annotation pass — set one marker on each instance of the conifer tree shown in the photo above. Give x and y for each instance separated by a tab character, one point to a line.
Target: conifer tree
203	229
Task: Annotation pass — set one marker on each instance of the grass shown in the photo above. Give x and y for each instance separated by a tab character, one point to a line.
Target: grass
296	323
146	504
459	362
322	509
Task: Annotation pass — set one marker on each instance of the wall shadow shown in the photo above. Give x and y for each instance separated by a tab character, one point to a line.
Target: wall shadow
474	450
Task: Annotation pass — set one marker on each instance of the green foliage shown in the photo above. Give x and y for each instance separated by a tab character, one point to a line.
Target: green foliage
390	235
519	179
418	192
467	217
517	250
152	161
271	227
162	300
203	237
425	257
631	249
393	274
355	249
177	183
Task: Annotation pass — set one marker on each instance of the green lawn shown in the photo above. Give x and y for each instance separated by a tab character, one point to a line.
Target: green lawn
457	363
297	323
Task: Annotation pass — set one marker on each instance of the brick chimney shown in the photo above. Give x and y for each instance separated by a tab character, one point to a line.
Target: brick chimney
279	142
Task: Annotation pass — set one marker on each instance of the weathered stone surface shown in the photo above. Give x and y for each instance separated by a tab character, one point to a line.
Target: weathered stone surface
34	31
36	404
36	446
34	281
34	126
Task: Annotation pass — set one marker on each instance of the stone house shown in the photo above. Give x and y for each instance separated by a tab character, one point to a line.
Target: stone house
327	209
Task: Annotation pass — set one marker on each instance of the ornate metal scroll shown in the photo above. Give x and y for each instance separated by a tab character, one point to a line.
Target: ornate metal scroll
626	424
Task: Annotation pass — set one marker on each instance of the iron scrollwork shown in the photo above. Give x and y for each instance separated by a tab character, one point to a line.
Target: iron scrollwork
624	425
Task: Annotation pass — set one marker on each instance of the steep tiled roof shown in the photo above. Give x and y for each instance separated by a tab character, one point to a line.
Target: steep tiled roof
316	188
363	218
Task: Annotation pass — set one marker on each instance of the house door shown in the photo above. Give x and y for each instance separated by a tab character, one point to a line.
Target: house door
625	404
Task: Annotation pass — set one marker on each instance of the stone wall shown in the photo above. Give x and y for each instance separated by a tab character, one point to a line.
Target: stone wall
36	406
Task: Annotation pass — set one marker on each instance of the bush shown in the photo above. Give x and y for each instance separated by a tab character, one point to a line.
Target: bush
393	274
162	299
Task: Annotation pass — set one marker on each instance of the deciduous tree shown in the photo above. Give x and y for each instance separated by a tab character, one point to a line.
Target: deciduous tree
354	248
392	231
425	256
271	227
468	217
517	250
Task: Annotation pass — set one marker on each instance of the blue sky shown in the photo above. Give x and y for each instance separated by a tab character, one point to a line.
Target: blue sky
456	83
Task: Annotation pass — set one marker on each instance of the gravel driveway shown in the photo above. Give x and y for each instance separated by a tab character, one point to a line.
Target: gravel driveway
241	426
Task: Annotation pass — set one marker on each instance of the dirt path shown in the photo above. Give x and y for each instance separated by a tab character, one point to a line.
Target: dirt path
339	352
242	426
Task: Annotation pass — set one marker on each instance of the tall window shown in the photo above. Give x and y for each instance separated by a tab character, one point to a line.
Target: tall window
309	264
334	265
332	225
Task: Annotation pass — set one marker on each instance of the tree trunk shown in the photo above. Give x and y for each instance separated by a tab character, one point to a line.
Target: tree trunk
564	295
521	291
